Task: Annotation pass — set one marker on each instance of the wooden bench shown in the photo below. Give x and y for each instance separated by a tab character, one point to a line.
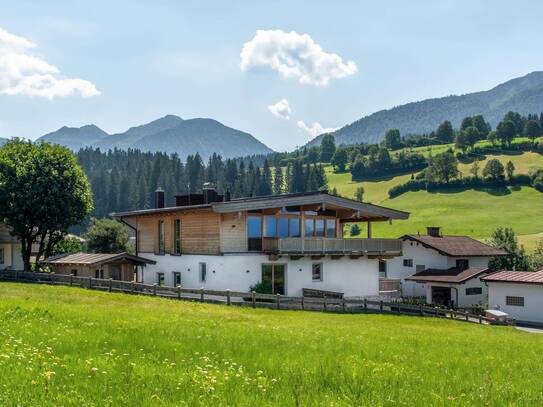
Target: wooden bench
313	293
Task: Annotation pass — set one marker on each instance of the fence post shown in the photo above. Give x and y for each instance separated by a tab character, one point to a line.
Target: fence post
467	316
90	283
202	294
133	286
71	280
381	306
343	304
178	292
154	288
16	275
278	300
228	300
480	319
253	294
421	310
109	288
324	303
303	305
365	305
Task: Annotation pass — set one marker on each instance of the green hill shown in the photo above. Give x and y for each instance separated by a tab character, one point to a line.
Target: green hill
474	212
62	346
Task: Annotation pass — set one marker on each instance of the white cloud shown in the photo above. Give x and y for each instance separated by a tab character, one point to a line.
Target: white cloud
281	109
24	74
315	128
294	56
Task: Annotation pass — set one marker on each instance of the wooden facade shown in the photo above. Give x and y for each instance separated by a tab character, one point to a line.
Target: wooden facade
122	271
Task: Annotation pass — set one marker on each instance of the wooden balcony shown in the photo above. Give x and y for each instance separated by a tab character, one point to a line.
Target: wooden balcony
332	246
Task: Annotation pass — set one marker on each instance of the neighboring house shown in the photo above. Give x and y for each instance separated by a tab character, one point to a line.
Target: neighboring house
517	293
120	266
453	287
10	250
289	241
437	252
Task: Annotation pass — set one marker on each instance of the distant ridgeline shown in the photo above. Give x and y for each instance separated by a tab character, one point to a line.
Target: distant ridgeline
126	180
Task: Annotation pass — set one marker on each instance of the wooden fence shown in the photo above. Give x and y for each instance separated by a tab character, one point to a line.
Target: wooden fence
252	299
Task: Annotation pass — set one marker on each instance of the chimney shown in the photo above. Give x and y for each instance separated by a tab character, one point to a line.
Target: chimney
209	192
433	231
159	198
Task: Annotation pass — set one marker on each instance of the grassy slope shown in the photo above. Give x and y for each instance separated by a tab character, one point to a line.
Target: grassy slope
475	213
67	346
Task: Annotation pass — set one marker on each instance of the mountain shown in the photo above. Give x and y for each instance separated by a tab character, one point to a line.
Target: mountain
75	138
2	141
523	95
169	134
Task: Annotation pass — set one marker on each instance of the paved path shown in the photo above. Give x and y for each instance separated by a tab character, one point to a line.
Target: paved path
531	330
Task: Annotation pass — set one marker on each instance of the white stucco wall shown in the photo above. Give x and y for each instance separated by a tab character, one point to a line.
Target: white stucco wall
353	277
533	300
12	256
464	300
422	256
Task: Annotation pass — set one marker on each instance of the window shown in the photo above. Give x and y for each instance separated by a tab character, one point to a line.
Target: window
1	255
273	276
176	278
74	273
408	262
420	267
177	236
309	228
319	227
160	279
382	268
474	290
330	228
271	226
514	301
316	272
294	230
99	274
203	272
254	233
161	247
283	227
462	264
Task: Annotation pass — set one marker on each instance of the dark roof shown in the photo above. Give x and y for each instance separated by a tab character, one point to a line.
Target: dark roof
522	277
283	200
93	259
456	245
452	275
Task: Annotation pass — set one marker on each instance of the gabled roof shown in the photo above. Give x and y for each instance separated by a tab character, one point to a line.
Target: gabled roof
456	246
283	200
95	259
520	277
452	275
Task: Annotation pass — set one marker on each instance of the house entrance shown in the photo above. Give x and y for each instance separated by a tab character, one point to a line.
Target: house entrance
441	295
274	275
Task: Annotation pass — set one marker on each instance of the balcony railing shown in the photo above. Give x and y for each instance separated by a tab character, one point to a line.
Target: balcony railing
322	245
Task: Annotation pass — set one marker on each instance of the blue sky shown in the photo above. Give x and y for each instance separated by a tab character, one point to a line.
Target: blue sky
135	61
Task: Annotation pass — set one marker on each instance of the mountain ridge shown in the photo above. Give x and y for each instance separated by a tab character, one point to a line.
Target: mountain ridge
523	94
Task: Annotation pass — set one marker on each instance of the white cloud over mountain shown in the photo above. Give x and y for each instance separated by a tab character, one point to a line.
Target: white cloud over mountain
315	128
294	55
22	73
281	109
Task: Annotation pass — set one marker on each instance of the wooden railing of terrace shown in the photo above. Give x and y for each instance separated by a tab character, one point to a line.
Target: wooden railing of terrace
251	299
326	245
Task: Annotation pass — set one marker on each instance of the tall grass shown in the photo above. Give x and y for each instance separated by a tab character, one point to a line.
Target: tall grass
68	346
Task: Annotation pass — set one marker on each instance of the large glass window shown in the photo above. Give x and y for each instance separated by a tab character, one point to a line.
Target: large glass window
319	227
271	226
254	233
309	227
177	236
330	228
283	227
294	227
273	276
161	247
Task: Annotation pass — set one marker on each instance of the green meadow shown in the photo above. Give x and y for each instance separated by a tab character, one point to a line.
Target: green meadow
62	346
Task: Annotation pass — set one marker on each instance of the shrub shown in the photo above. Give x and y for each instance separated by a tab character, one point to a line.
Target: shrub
264	287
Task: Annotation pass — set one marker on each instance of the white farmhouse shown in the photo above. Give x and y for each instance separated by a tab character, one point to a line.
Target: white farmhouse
517	293
288	242
436	252
10	250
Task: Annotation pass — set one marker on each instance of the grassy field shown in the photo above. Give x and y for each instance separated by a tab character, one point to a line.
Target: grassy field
72	347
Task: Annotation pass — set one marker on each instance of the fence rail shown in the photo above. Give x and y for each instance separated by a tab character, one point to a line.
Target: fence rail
229	297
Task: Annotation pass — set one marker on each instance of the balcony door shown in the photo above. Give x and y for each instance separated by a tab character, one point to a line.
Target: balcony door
274	275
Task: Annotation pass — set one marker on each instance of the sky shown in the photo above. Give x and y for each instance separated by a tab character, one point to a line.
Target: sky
283	71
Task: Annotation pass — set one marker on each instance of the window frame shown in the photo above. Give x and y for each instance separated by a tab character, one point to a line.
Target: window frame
202	272
176	274
515	301
176	249
320	272
408	263
469	290
161	247
462	264
382	263
160	278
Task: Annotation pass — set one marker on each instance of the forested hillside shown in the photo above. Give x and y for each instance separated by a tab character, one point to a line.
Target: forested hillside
126	180
523	95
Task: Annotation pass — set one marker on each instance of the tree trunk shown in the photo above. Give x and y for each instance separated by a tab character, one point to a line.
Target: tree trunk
26	251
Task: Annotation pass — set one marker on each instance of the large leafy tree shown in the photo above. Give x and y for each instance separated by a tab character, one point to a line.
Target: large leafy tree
43	191
445	132
442	167
328	148
107	236
393	140
516	259
506	132
532	129
494	170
